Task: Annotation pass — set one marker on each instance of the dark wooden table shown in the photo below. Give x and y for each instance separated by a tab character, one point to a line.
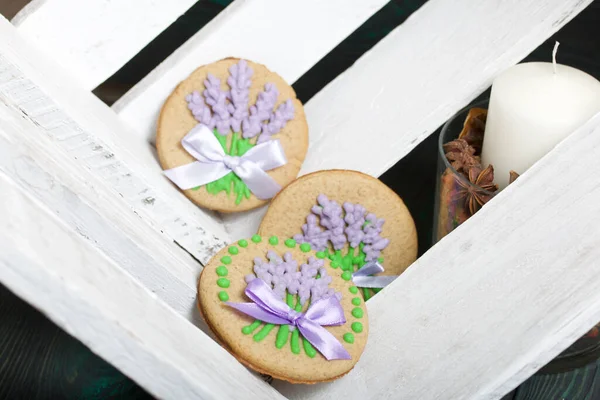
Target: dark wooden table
40	361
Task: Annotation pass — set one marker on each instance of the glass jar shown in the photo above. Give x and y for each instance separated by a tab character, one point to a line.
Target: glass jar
452	188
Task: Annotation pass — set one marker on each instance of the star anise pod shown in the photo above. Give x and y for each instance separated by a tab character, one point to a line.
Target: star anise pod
474	128
478	192
512	177
461	155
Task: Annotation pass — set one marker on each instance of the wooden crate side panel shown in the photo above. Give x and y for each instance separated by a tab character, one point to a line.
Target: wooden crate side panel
92	134
495	300
94	38
289	37
79	199
93	299
411	82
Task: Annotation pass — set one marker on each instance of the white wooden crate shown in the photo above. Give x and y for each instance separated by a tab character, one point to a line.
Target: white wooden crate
85	206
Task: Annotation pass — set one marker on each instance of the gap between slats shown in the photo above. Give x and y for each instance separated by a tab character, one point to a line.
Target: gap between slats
94	38
246	29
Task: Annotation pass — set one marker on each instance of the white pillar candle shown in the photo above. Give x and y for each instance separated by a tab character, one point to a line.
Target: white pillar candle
533	106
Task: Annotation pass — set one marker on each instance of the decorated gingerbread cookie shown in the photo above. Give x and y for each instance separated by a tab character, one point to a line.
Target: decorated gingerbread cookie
282	309
232	135
356	220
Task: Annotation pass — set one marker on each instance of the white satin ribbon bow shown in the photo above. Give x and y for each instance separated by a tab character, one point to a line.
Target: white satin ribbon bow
212	163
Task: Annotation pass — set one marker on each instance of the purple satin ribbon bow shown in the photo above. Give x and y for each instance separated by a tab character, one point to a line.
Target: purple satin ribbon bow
269	308
212	163
361	277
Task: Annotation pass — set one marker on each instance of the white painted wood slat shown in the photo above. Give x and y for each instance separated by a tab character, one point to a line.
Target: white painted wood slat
94	38
93	299
496	299
411	82
81	201
428	68
289	36
91	133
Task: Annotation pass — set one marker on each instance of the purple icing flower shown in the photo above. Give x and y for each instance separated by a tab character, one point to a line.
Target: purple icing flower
239	82
373	241
326	225
199	109
260	112
216	98
355	219
279	118
330	218
225	110
284	277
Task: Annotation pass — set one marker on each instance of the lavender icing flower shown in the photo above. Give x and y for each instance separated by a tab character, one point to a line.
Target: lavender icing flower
228	110
284	113
216	98
374	243
260	112
199	109
283	276
239	81
329	223
330	218
355	219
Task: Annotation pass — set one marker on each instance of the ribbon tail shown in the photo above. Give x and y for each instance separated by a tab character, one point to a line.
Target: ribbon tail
370	268
257	312
361	277
376	282
323	340
261	184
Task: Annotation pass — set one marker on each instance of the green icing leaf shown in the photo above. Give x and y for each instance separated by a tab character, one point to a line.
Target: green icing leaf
282	336
238	147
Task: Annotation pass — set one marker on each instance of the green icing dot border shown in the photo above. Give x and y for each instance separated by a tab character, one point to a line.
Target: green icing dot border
222	270
224	283
256	239
349	338
356	326
223	295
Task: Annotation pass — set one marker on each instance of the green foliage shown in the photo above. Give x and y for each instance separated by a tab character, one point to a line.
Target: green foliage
352	261
238	147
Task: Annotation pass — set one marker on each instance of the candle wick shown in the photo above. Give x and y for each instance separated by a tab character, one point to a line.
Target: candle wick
554	55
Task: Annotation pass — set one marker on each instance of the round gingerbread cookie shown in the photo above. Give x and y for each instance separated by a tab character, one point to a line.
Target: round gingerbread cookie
243	104
320	327
353	217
